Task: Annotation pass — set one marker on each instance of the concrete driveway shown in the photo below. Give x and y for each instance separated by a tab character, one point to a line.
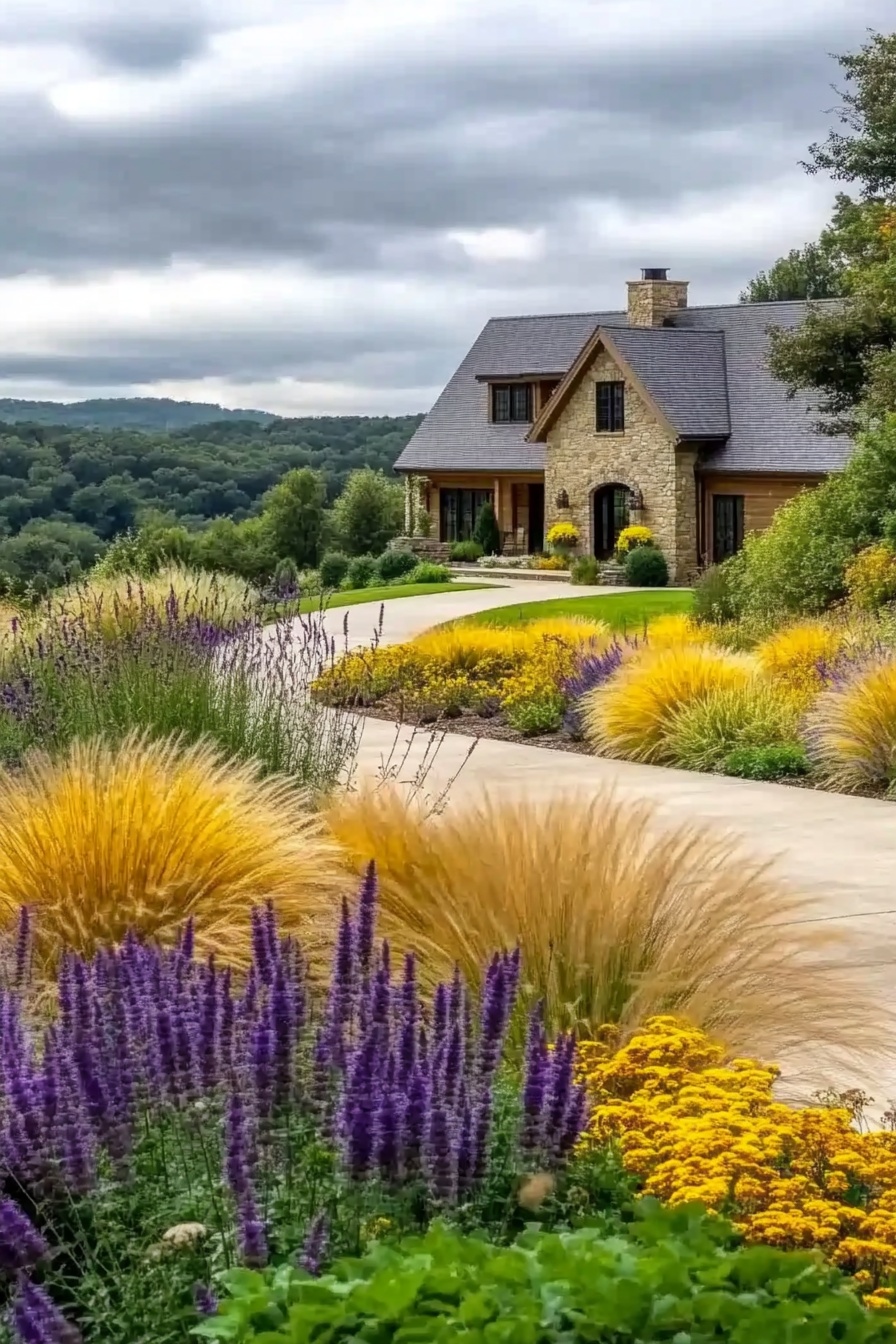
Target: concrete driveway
839	850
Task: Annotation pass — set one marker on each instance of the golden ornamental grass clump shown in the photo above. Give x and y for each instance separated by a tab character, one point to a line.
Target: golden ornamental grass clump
676	628
796	655
703	732
148	833
573	630
618	918
631	714
851	729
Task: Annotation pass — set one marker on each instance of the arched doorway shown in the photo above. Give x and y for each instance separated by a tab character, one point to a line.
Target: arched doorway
610	505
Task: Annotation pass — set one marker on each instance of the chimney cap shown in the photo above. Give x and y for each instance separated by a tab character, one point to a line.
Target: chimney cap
654	273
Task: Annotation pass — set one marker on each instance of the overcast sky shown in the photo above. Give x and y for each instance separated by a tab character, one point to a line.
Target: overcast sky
311	206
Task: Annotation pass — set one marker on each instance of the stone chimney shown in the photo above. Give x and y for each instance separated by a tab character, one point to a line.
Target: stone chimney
654	297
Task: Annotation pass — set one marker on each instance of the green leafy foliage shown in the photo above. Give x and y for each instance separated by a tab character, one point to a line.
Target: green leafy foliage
333	569
714	600
395	564
294	514
466	552
787	760
361	571
584	570
812	272
675	1276
486	530
368	513
161	414
428	572
645	567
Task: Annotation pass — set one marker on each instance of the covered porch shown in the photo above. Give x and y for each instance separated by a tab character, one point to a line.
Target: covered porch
453	503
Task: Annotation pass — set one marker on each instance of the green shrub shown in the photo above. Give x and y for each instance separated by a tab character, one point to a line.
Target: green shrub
774	762
395	564
361	572
428	572
466	552
714	599
675	1275
541	714
333	569
486	531
645	567
584	569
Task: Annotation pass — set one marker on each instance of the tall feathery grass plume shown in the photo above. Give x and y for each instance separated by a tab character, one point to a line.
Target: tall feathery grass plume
631	714
176	592
798	655
618	918
675	628
850	732
149	833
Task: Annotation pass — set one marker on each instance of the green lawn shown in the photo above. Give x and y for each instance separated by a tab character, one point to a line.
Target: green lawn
386	594
622	611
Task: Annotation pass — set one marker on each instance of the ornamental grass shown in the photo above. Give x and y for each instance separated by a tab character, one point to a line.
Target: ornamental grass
851	729
617	917
149	833
693	1125
112	603
631	714
703	733
676	628
797	655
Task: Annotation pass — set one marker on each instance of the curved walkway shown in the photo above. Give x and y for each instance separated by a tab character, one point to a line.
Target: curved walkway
839	850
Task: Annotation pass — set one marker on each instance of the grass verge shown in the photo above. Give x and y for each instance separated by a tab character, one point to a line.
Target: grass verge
624	612
386	593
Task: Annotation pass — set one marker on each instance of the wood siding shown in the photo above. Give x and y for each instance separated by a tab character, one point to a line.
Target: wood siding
763	496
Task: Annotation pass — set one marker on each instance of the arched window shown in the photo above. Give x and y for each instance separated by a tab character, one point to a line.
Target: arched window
610	505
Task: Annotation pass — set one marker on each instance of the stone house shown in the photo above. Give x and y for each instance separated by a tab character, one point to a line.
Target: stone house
662	414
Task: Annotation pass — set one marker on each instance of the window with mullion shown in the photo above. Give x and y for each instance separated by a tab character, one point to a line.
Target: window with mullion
512	403
610	407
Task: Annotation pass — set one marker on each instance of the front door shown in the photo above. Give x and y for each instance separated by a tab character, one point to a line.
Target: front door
610	517
536	518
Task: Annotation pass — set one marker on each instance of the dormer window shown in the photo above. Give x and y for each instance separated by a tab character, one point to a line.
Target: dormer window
512	403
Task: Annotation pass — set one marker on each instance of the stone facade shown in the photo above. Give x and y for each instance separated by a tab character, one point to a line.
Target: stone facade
579	460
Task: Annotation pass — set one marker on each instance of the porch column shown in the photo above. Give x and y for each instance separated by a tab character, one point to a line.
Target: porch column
498	502
408	508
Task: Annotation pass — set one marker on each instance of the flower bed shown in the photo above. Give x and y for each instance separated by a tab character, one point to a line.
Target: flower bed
813	702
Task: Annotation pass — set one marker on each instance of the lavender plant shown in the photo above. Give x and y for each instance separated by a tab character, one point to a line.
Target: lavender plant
169	1124
185	668
592	671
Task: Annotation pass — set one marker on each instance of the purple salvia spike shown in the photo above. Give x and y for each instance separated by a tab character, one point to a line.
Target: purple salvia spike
562	1072
453	1066
482	1128
388	1137
238	1153
261	1058
339	1008
439	1015
315	1247
261	946
204	1300
465	1147
535	1081
36	1319
359	1141
439	1158
365	923
228	1013
574	1123
456	996
251	1236
208	1033
188	940
414	1123
23	949
494	1019
21	1245
283	1008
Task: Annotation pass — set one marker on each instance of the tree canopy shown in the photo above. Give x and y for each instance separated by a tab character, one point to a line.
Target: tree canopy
88	485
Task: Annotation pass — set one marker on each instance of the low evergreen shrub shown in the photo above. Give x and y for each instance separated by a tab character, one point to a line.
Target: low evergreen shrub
333	569
486	531
428	572
361	572
645	567
466	552
395	564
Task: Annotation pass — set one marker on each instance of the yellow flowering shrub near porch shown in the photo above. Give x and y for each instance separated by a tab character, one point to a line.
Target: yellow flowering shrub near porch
693	1127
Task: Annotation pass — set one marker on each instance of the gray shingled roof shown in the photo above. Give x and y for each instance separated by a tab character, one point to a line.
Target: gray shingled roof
684	371
766	431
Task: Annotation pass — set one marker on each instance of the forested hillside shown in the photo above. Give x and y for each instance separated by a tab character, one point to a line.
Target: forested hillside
66	492
149	413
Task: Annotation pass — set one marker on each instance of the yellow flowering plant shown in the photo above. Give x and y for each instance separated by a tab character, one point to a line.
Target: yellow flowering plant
636	534
694	1126
564	534
871	577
